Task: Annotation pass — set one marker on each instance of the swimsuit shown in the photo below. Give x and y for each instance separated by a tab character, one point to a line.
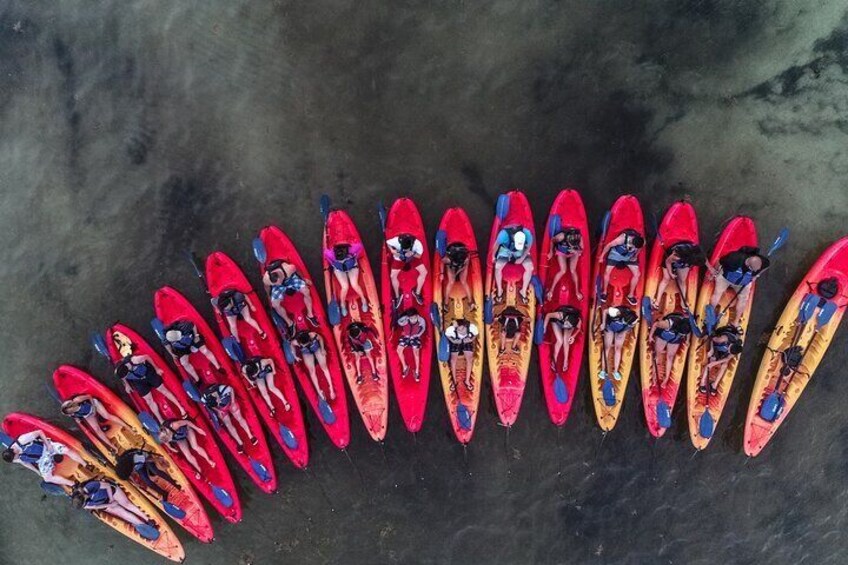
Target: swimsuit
142	378
312	346
84	410
180	434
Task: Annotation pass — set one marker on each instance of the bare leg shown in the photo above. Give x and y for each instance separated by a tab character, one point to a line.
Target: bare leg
353	276
619	346
666	278
422	277
277	305
528	274
394	275
251	321
575	278
558	333
122	514
607	272
634	278
228	423
721	286
469	365
499	267
232	323
185	362
660	348
416	356
453	361
192	441
236	412
401	353
163	390
670	354
151	404
372	367
273	389
94	426
463	280
263	392
307	301
189	456
208	354
566	347
120	497
722	369
309	361
321	357
344	285
741	305
562	261
609	343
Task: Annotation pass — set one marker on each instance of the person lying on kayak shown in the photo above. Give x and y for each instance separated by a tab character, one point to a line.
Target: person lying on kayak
139	374
235	306
281	279
144	465
509	320
359	339
97	495
411	326
406	253
736	271
181	340
566	325
343	261
455	270
618	323
90	413
261	372
567	246
512	246
623	253
725	344
462	340
219	399
309	347
180	435
668	334
38	453
678	259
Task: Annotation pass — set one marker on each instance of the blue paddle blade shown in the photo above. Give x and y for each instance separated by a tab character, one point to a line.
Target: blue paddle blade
826	314
554	225
259	250
772	407
223	496
696	331
502	207
280	323
710	319
51	391
608	392
52	489
158	328
191	390
441	243
605	223
233	349
435	316
174	511
488	311
287	351
288	437
98	342
560	390
6	440
599	286
327	414
654	224
706	425
381	211
463	416
539	331
538	288
663	414
334	315
779	241
444	349
648	310
260	470
149	422
147	531
324	204
808	306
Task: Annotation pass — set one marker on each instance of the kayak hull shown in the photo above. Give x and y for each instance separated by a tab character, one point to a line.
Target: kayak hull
403	218
217	476
69	382
279	247
167	545
567	211
739	232
372	395
679	225
171	306
626	213
462	401
508	370
815	342
223	274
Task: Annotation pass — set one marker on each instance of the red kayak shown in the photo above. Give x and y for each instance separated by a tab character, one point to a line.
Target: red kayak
284	421
171	307
563	298
459	306
273	246
359	331
660	379
405	343
213	482
124	432
510	318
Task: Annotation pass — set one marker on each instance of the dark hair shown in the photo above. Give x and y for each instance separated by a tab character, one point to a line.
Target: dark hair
406	241
409	312
573	237
679	323
77	499
341	250
251	366
8	455
274	265
638	241
691	254
121	369
354	330
226	297
627	315
828	288
733	335
124	465
302	337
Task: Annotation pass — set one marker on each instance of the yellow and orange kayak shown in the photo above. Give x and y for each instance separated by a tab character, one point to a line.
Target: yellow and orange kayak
797	345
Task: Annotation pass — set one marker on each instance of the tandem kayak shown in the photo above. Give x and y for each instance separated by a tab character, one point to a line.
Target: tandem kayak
704	409
510	317
624	218
457	316
406	314
124	432
561	349
661	379
155	534
359	331
285	422
797	345
172	307
273	248
214	483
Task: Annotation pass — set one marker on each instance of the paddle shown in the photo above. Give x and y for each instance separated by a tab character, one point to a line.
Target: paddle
554	225
159	329
663	414
53	489
98	342
288	437
173	510
608	392
443	352
662	409
441	243
285	331
6	440
648	311
223	496
381	211
539	329
150	424
148	532
233	349
333	310
561	391
706	424
288	353
259	250
326	412
463	416
260	470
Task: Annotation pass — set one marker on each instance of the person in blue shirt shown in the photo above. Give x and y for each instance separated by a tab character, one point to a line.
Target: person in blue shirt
512	246
737	271
182	339
622	252
38	453
668	333
617	325
96	495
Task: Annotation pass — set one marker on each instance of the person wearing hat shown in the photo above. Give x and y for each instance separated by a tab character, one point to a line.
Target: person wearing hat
406	252
512	246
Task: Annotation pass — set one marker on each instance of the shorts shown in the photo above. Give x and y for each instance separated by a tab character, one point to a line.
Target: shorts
144	387
414	342
461	347
363	347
